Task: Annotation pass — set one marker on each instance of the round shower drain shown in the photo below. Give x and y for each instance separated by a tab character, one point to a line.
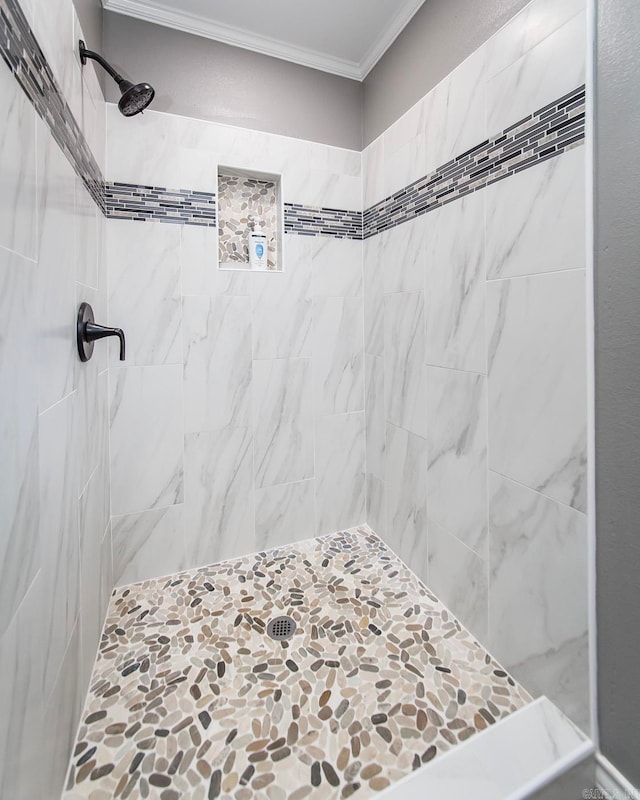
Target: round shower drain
281	628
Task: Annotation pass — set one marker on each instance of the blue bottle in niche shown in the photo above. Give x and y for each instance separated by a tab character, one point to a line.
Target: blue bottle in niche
257	248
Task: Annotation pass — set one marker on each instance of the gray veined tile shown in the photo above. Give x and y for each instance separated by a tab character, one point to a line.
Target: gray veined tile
218	495
148	544
217	362
537	383
340	472
375	415
538	578
337	267
457	455
403	257
338	355
455	285
373	295
144	299
283	421
284	514
200	273
536	219
146	438
376	505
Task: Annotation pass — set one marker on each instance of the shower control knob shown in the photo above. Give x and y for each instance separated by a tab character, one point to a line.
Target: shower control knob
88	332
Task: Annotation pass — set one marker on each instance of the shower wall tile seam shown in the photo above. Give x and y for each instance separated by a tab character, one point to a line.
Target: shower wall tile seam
548	497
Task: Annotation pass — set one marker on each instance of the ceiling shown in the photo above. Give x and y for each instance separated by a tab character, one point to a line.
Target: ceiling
345	37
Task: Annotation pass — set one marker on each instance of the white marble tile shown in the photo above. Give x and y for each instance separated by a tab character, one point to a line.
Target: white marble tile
59	535
340	472
281	311
538	579
199	260
338	355
455	285
146	438
18	168
502	763
376	505
536	219
537	383
404	150
546	72
404	370
284	514
373	295
106	571
403	257
406	488
87	218
218	495
337	267
455	113
536	21
458	577
144	290
283	421
19	487
92	426
375	415
457	448
58	364
21	699
373	172
217	362
321	189
148	544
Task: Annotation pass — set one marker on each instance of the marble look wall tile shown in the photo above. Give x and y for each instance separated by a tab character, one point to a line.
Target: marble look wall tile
340	472
455	285
144	294
537	383
373	172
148	544
404	150
375	415
538	576
21	699
217	362
281	311
218	495
283	421
457	462
146	438
338	355
284	514
59	535
459	578
406	488
200	273
92	427
87	220
337	267
536	219
404	371
547	71
376	506
403	257
18	167
455	113
19	488
373	295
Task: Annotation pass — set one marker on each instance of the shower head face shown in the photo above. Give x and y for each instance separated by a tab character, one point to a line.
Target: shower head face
135	98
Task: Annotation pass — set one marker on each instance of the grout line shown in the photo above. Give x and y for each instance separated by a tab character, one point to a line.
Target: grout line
538	492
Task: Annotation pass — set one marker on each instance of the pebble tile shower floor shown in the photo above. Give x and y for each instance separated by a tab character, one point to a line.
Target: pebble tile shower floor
190	698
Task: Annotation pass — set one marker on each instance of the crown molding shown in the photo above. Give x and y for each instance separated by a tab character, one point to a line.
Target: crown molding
238	37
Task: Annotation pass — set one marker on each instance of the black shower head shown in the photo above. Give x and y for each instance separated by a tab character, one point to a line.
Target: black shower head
135	97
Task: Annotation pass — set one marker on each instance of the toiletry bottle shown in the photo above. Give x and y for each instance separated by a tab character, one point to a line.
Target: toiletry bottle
257	248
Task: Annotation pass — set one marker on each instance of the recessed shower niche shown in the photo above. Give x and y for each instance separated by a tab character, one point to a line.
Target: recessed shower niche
249	201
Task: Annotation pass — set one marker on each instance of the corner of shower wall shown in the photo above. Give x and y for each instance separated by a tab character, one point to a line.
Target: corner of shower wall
476	346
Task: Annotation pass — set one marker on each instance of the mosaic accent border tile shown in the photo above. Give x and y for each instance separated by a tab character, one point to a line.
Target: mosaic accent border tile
180	206
308	221
190	698
546	133
23	55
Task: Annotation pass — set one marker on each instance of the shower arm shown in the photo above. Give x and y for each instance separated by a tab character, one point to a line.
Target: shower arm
85	54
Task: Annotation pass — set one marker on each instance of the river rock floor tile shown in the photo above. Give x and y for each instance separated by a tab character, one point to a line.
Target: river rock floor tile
190	698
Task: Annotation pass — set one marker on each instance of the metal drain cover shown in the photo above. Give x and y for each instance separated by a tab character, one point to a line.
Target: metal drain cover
281	628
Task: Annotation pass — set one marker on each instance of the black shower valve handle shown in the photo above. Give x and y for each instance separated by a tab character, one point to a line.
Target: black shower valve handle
88	331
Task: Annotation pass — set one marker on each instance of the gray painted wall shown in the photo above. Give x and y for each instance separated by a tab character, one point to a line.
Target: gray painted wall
438	38
617	284
197	77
